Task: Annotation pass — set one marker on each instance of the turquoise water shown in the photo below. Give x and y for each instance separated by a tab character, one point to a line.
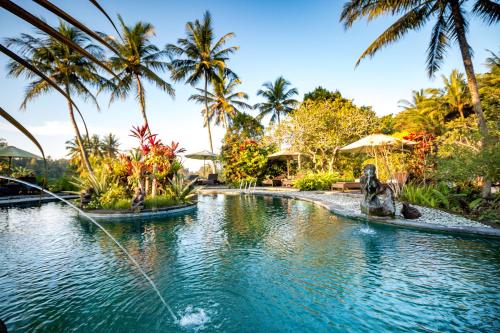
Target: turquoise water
242	264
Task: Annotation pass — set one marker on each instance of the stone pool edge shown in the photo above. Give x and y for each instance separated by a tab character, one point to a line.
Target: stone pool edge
161	212
337	210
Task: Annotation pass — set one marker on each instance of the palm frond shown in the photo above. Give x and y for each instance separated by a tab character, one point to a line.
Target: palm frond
488	10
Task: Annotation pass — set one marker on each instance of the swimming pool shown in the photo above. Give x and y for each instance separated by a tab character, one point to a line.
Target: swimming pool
242	264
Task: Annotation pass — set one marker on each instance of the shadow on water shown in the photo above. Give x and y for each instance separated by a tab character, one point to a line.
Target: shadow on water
81	212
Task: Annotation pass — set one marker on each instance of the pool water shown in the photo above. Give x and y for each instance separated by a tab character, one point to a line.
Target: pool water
242	264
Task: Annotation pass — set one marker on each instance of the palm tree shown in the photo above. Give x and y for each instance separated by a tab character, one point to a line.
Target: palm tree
94	145
455	93
418	96
74	152
450	24
139	60
109	145
223	102
278	99
66	67
198	56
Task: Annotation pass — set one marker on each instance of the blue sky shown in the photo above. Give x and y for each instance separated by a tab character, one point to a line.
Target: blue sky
301	40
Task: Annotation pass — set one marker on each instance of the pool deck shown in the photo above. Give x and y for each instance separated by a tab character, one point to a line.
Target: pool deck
347	205
26	200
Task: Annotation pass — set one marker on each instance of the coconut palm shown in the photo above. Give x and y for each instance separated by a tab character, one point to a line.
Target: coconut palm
67	68
200	56
279	99
455	94
74	153
109	145
450	24
140	61
224	103
94	144
418	96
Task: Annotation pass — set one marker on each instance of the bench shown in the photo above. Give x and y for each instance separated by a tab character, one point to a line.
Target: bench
346	186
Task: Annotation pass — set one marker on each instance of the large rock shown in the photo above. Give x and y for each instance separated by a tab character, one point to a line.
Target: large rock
410	212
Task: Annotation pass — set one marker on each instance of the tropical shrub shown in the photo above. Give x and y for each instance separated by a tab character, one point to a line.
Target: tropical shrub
61	184
19	172
243	153
159	201
112	195
181	190
317	181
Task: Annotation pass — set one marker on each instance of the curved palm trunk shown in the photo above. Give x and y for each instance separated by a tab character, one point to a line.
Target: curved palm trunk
83	152
207	119
142	101
471	81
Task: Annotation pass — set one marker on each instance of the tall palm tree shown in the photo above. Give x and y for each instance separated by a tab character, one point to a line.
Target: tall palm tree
199	56
66	67
450	24
418	96
94	144
109	145
455	93
279	99
224	103
74	153
140	61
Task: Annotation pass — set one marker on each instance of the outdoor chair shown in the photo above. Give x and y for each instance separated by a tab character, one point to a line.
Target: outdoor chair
211	180
343	186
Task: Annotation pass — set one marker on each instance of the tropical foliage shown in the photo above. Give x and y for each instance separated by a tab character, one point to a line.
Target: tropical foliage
68	69
224	103
138	60
244	154
450	25
278	99
319	128
201	56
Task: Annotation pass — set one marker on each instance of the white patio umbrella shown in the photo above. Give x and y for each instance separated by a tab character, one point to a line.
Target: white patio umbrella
287	156
374	143
202	155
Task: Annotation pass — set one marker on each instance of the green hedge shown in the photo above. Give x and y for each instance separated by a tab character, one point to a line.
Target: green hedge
321	181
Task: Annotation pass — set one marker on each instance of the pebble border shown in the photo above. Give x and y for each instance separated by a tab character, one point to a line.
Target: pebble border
321	199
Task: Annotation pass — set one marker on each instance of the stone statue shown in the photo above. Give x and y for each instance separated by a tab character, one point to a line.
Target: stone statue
138	199
373	190
86	197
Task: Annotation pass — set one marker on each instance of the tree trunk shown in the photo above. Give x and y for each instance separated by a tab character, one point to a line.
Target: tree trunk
458	21
208	120
83	152
142	101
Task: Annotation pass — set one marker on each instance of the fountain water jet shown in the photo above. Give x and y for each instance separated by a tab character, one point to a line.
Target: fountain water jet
106	232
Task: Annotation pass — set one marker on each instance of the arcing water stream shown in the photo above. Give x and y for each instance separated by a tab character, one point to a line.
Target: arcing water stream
106	232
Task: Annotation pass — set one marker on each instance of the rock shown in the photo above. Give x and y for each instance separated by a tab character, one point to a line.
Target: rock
410	212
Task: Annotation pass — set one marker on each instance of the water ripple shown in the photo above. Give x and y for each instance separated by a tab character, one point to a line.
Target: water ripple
242	264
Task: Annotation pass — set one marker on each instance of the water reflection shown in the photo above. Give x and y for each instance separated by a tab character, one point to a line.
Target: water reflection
269	264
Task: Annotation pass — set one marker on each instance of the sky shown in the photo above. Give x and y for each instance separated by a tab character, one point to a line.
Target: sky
300	40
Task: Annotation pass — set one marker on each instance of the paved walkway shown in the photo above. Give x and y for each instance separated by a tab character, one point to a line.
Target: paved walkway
347	204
